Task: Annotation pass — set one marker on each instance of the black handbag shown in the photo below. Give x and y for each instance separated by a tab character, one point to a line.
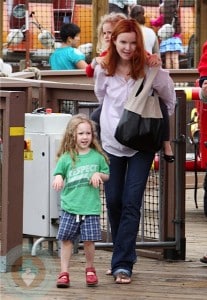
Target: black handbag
141	125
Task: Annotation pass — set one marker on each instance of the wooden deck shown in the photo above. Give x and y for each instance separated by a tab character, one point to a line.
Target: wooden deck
152	279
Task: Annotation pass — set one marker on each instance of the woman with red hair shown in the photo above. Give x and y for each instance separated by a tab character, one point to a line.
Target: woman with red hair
124	63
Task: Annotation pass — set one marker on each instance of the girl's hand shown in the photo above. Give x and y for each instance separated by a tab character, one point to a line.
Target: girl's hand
153	60
96	180
58	183
99	60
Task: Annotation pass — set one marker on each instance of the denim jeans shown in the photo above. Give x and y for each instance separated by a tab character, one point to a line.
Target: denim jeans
124	192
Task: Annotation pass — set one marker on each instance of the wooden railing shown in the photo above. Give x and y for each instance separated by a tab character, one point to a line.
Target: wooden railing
12	109
70	85
77	76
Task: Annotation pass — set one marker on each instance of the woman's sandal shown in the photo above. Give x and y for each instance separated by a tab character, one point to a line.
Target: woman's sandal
63	280
169	158
91	278
204	259
122	278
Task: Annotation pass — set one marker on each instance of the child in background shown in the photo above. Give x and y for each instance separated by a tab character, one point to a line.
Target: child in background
171	46
68	57
159	21
81	169
105	28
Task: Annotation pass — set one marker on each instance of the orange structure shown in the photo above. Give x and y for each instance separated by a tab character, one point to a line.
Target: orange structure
50	15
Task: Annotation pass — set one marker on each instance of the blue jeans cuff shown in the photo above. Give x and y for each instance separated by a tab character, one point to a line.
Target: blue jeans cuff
127	272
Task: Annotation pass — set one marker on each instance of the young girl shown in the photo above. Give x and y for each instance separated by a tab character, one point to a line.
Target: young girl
171	47
81	168
105	28
124	63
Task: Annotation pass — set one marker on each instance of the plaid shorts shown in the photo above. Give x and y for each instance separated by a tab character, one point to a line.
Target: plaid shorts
88	227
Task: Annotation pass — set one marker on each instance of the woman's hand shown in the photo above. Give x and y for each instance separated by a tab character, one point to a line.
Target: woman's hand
154	60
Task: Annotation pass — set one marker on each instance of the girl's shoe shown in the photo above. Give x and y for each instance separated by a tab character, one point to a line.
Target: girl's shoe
91	278
63	280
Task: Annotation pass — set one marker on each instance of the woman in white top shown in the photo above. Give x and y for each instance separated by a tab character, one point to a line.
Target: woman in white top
124	63
150	38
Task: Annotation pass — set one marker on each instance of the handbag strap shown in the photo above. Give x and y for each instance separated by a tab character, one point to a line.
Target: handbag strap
143	86
137	103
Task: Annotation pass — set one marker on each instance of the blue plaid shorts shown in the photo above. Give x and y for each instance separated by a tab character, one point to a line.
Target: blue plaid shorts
88	227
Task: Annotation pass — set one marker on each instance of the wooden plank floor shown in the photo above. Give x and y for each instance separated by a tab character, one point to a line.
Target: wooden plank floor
152	279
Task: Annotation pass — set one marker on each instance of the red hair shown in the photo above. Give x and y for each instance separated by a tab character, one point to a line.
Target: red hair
138	60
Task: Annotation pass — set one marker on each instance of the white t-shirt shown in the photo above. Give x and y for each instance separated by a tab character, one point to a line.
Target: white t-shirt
150	40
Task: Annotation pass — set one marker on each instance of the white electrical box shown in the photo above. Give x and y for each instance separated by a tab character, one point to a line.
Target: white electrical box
41	209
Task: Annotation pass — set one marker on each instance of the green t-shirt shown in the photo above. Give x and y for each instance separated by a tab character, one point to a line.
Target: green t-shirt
78	196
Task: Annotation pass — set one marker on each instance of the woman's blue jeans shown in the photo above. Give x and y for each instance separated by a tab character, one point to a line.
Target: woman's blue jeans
124	192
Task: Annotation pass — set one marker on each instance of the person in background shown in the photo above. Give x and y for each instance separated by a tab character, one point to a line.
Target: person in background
150	38
202	69
171	47
152	46
81	169
68	57
121	6
159	21
124	63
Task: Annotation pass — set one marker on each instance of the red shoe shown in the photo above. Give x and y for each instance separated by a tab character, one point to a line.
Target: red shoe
63	280
91	278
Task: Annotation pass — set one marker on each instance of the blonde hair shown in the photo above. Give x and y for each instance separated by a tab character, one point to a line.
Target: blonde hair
68	143
112	18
